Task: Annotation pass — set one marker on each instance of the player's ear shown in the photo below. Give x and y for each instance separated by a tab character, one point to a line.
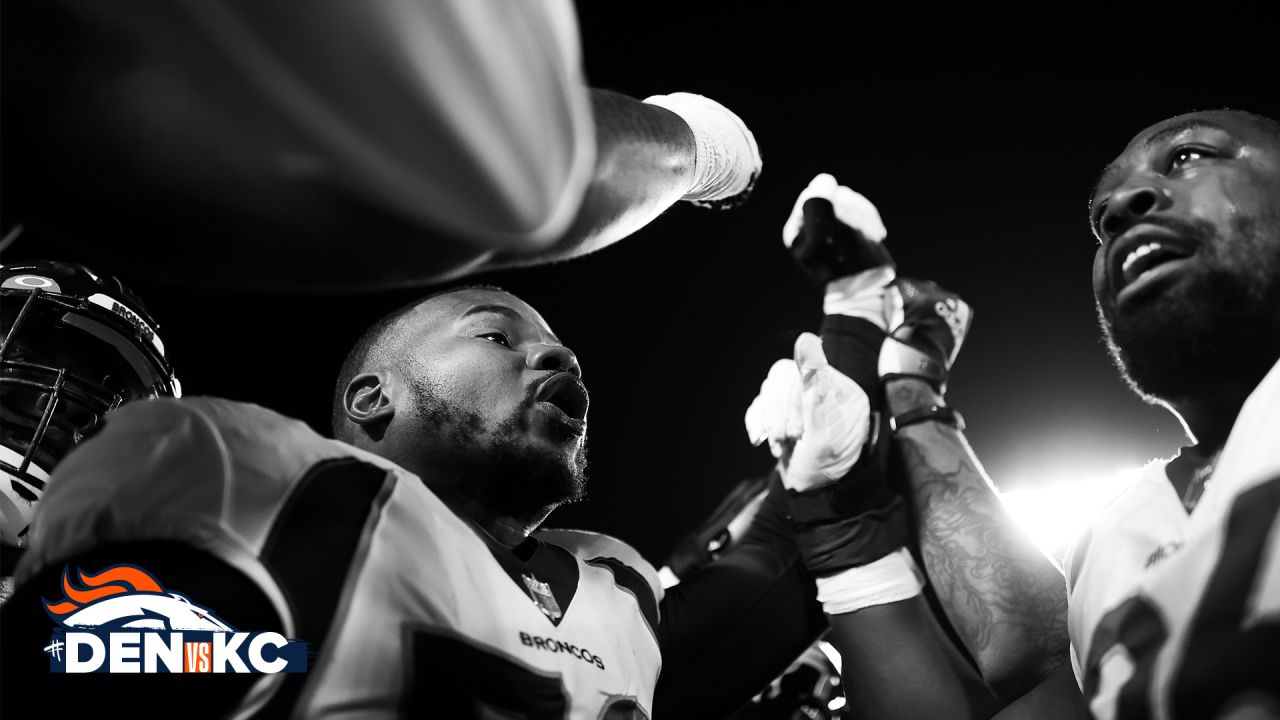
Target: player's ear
369	400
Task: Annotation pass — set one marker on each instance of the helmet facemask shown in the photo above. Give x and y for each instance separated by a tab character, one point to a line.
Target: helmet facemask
66	360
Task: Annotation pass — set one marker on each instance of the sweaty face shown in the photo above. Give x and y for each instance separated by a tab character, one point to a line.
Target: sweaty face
1187	273
497	400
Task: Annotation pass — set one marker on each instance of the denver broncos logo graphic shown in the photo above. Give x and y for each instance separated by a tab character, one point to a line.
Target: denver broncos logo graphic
123	620
128	597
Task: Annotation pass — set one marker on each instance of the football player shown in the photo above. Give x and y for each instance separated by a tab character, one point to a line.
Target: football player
444	138
77	344
1181	573
408	552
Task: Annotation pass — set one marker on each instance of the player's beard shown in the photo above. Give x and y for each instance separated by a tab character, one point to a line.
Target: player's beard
1221	326
499	466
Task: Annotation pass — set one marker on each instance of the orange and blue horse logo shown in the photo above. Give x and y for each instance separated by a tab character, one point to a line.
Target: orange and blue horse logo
128	597
122	619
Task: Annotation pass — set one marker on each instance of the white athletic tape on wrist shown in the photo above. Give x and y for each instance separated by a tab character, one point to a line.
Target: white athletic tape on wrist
726	155
860	296
892	578
898	358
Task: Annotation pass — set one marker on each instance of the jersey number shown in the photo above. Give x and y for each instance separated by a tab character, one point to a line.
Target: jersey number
1223	659
455	679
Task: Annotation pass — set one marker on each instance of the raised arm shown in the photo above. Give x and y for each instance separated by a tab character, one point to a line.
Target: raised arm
650	155
1010	618
333	145
823	416
1005	598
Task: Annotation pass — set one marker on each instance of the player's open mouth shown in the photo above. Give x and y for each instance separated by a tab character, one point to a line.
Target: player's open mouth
1145	256
564	396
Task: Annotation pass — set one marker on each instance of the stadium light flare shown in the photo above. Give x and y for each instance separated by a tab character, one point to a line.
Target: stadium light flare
1055	511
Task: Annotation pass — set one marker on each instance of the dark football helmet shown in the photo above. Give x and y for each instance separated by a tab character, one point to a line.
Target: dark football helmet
77	343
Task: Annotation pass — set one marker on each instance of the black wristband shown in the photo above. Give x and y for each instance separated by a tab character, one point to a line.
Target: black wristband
941	413
855	541
854	521
852	346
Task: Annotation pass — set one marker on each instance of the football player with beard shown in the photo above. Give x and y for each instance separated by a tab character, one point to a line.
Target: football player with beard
1174	605
409	554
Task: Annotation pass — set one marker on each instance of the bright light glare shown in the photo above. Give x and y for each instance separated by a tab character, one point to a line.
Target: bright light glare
1055	513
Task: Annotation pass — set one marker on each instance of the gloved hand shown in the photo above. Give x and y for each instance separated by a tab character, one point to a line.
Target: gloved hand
834	233
775	413
815	418
835	415
727	160
927	325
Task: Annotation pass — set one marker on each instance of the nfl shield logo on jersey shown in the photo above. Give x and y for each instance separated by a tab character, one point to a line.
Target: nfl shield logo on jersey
541	594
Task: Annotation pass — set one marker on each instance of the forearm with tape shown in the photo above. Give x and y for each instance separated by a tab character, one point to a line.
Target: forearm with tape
860	295
846	530
727	159
892	578
853	521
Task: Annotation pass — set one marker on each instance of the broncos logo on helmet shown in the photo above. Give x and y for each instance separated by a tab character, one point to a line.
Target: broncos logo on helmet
77	343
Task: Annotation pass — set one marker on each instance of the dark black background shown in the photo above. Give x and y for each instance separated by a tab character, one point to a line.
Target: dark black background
979	149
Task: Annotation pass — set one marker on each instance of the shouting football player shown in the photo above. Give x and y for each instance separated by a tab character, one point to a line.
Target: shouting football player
407	552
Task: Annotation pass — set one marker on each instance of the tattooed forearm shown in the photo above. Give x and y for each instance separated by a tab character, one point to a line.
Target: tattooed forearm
1003	596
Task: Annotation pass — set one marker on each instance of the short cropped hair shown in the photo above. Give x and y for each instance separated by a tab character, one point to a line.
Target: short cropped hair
373	346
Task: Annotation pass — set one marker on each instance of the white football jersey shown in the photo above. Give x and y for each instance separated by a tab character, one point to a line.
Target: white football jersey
414	612
1175	614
